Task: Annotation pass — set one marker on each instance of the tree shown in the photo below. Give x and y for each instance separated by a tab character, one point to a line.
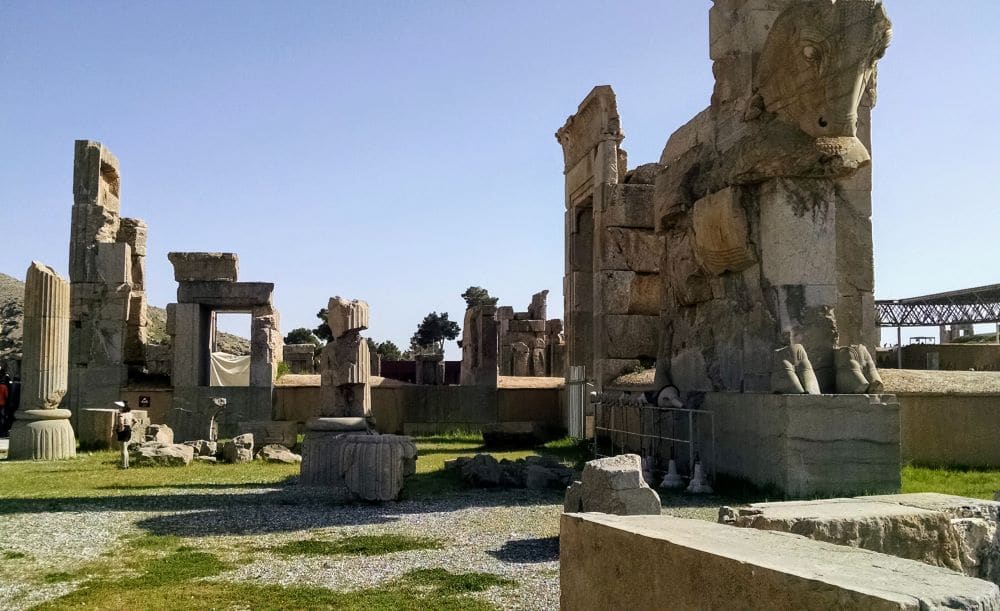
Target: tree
323	331
301	336
387	350
433	331
477	295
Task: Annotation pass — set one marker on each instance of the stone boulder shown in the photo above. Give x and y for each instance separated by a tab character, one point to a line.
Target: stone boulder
275	452
533	472
613	485
203	447
157	454
159	433
239	449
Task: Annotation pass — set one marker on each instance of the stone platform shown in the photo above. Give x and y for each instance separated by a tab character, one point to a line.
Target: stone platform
653	562
938	529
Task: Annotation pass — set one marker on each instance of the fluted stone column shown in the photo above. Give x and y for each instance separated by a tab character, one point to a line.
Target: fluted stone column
42	428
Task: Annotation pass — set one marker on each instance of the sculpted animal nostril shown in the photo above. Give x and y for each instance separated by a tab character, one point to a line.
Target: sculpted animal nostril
822	122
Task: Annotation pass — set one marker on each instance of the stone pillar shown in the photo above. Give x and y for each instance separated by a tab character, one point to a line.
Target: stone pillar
42	429
133	232
101	276
345	366
480	347
430	369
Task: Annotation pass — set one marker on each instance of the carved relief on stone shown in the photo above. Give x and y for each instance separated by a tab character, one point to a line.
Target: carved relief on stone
792	373
856	371
721	233
819	60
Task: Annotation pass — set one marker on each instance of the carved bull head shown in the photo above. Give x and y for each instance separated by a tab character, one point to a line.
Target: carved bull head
818	61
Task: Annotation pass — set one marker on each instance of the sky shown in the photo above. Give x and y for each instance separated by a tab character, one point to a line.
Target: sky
400	152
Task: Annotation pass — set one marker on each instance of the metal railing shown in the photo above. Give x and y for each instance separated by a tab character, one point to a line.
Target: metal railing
632	425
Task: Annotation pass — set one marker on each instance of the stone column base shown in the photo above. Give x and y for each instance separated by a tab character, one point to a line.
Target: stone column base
42	434
371	466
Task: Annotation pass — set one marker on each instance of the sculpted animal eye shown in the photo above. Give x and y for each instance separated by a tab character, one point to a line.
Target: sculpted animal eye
810	52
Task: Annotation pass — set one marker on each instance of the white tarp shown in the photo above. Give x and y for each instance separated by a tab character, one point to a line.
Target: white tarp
229	370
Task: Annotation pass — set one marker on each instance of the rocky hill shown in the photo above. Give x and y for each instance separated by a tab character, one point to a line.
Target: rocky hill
12	315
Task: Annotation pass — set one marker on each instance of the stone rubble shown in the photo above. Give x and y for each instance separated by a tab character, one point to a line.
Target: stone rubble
613	485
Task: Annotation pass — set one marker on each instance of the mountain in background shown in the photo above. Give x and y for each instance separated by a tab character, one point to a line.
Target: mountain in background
12	318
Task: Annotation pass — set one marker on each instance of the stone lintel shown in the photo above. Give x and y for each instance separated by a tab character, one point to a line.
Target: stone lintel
226	295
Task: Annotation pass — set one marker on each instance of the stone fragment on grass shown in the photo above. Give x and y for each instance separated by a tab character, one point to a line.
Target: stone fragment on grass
239	449
613	485
155	454
275	452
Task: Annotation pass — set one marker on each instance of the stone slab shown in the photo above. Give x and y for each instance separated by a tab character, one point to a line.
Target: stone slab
223	295
701	565
205	266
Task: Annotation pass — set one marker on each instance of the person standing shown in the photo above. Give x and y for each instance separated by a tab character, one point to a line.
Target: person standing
4	402
123	429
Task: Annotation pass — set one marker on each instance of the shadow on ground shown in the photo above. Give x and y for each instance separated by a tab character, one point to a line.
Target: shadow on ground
523	551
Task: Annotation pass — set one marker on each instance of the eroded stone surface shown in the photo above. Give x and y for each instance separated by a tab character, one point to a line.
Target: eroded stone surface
205	266
695	564
154	453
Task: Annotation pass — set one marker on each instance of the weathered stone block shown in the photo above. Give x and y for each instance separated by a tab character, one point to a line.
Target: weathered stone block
226	294
721	232
696	564
114	263
630	205
204	266
343	315
627	337
630	293
154	454
278	453
634	250
613	485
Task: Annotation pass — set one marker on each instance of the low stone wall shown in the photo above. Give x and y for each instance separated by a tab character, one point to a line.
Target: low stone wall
808	445
948	357
649	562
949	430
435	409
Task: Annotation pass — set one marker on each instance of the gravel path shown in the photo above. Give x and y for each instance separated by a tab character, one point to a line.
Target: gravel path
511	534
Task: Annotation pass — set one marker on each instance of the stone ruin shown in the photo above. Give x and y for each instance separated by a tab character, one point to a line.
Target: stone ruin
497	341
753	230
300	358
107	335
207	285
42	428
341	451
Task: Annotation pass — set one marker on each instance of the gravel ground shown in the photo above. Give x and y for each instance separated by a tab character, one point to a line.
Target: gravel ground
512	534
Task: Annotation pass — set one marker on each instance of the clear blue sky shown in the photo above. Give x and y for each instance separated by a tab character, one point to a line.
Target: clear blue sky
399	152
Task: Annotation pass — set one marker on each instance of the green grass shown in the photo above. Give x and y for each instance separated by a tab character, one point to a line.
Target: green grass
95	474
973	483
178	579
431	478
9	555
359	545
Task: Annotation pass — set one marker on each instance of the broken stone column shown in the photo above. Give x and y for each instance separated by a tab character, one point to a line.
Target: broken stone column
345	367
340	451
520	359
480	350
42	429
101	276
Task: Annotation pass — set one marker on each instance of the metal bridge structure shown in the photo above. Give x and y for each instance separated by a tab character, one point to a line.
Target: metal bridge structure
967	306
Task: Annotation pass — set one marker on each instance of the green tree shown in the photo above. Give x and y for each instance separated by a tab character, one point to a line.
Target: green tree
433	331
388	351
323	331
477	295
301	336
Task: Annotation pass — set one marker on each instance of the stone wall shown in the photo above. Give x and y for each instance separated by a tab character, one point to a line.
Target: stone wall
529	344
807	445
948	357
949	430
436	409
